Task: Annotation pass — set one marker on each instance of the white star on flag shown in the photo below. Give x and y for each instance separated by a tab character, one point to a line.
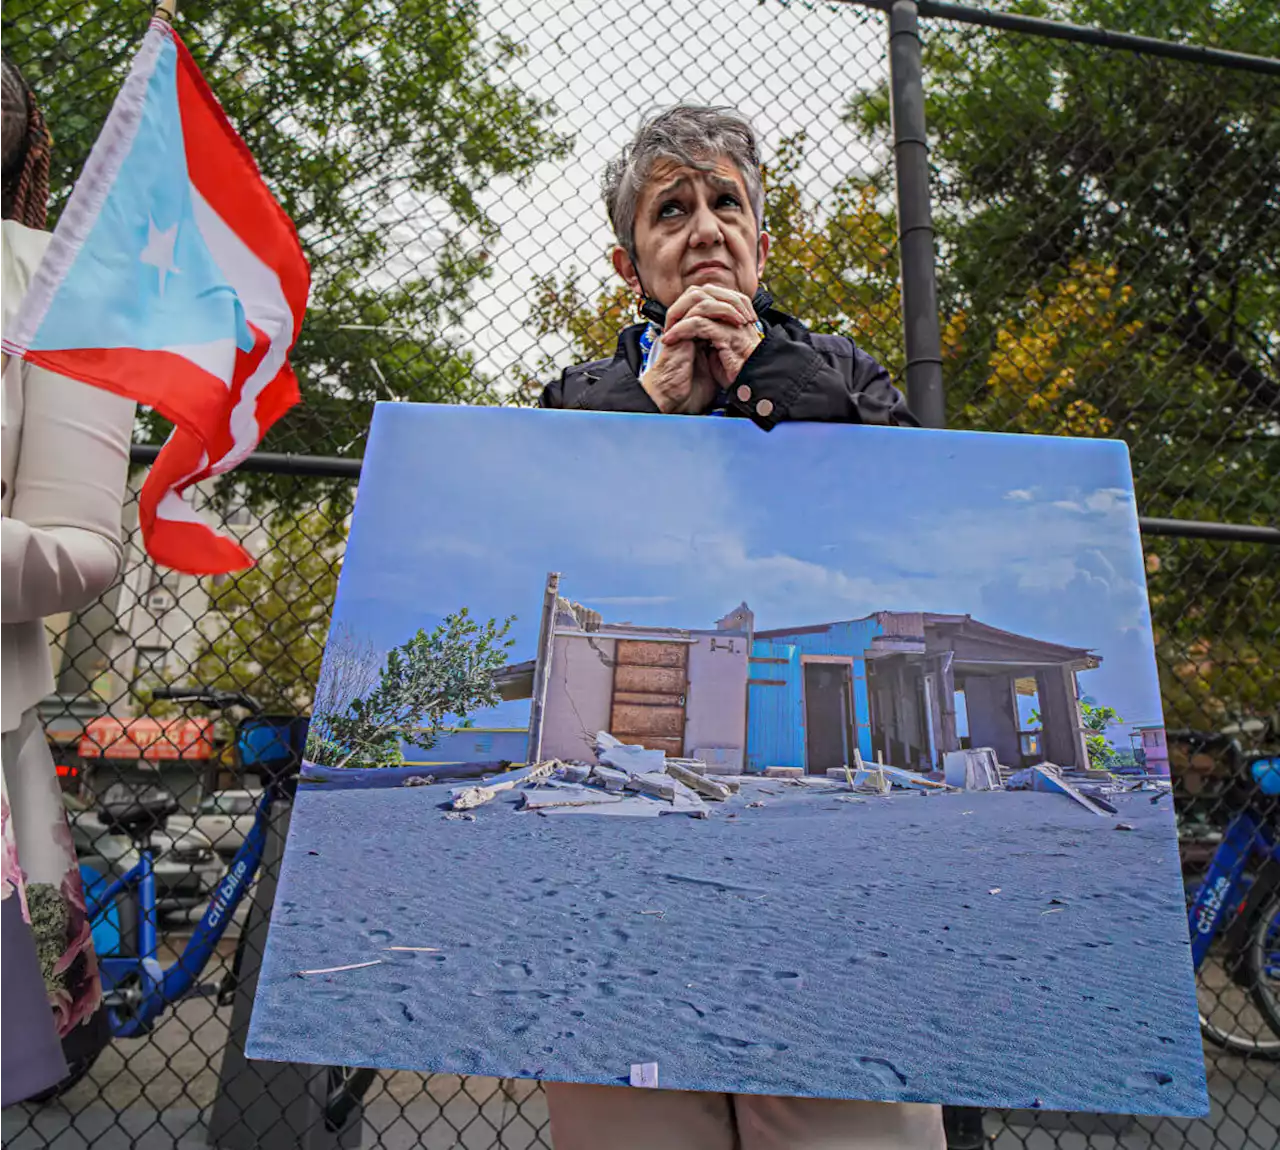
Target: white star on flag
159	251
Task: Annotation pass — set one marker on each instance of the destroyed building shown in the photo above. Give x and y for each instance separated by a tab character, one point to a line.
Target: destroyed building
891	685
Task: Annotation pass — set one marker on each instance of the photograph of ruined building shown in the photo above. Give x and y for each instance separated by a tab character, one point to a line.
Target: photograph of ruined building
792	764
886	685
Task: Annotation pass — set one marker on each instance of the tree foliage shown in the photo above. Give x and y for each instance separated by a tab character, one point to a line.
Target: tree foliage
422	684
264	631
367	119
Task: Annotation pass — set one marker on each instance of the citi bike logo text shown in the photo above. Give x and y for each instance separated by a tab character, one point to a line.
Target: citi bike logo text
226	892
1209	912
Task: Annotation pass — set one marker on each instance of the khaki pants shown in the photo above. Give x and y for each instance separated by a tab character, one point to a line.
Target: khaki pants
624	1118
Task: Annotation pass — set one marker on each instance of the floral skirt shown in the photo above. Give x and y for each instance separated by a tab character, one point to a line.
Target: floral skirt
52	960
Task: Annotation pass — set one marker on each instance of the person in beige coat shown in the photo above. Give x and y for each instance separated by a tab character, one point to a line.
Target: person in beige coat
64	456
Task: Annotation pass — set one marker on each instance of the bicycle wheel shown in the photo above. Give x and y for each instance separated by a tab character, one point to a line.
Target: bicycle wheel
1229	1012
1264	969
347	1087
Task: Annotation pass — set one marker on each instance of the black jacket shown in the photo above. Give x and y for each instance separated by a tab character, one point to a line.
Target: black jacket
820	378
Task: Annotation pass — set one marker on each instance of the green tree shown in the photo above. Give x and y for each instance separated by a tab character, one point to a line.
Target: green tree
360	114
1108	226
1096	722
434	676
265	628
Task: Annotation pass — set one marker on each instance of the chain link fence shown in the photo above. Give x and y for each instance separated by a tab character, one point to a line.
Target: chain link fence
1106	226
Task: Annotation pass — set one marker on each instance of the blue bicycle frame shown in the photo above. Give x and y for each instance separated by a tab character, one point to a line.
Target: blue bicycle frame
155	986
1220	895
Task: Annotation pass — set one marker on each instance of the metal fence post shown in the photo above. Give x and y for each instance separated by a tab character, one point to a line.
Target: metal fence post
915	222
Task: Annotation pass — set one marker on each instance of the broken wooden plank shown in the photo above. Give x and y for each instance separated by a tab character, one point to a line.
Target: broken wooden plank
1045	780
900	778
465	798
783	772
711	788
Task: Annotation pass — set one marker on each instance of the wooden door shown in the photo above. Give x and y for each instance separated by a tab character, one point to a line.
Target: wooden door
650	685
828	703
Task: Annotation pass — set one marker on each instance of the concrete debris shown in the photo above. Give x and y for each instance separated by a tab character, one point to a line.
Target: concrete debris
976	769
465	798
565	795
635	807
575	772
1124	826
626	756
756	803
705	786
419	781
610	778
659	784
872	779
783	772
464	816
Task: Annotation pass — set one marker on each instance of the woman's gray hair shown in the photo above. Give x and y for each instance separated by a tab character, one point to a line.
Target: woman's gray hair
693	136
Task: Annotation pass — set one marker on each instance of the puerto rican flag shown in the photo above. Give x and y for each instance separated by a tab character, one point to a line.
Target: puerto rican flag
175	279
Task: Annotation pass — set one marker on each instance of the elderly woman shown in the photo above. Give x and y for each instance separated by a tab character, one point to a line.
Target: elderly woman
686	202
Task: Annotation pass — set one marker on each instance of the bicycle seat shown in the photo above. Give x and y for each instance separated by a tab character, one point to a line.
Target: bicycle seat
131	812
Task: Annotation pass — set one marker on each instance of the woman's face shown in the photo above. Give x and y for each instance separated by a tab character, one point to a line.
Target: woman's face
693	228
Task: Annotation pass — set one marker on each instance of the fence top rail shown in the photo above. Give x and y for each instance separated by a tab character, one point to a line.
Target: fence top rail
1083	34
335	467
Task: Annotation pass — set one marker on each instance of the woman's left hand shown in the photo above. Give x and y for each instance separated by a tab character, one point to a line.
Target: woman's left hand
721	318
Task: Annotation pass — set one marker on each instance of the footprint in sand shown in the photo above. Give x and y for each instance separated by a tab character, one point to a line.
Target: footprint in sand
1148	1080
883	1071
378	935
857	958
729	1042
515	967
790	977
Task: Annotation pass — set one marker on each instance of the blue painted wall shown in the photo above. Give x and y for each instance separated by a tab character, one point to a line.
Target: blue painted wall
775	731
470	745
775	714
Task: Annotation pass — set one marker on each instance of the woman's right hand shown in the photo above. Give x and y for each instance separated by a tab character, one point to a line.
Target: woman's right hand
679	379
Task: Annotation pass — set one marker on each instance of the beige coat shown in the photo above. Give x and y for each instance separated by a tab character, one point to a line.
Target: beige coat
65	458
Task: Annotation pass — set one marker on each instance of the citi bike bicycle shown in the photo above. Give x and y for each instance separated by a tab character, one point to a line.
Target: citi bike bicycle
1234	912
137	990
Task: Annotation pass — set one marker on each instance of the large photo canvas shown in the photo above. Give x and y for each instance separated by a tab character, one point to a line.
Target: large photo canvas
677	752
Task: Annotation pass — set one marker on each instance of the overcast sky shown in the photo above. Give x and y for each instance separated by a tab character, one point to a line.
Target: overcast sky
673	522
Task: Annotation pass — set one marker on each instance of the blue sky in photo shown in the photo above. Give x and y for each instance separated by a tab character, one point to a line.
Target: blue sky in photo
672	522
